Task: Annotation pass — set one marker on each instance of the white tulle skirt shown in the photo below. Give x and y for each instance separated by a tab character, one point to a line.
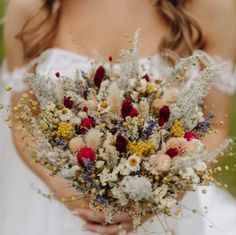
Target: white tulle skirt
24	212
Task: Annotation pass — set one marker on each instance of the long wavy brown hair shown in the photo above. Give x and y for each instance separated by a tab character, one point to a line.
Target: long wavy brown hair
184	35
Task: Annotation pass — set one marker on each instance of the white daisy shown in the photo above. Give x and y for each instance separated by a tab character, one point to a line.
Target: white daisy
133	163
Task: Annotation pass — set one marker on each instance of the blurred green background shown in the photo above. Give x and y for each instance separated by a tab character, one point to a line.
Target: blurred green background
227	177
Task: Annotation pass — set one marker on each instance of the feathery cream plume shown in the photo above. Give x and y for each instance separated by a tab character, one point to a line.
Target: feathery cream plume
115	98
93	138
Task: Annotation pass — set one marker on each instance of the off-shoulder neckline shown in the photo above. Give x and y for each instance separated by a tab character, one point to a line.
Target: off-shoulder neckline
83	58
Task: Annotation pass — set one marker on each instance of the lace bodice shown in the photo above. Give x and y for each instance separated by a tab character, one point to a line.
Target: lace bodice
70	64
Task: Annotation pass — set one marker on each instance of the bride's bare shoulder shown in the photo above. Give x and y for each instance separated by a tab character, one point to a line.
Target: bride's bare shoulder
17	14
217	19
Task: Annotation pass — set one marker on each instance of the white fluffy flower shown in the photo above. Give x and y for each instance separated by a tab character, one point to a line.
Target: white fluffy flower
167	203
66	116
120	195
106	177
159	193
71	172
188	173
75	120
82	115
51	107
133	163
199	145
143	86
137	188
200	166
50	156
195	117
122	167
99	164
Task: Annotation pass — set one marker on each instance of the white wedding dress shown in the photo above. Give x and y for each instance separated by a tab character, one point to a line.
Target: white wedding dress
24	212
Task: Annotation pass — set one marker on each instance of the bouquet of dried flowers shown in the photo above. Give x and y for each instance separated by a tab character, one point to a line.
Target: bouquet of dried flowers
127	142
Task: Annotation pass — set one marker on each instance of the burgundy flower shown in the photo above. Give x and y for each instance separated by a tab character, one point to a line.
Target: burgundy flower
68	102
133	112
99	76
121	144
190	135
127	109
110	58
85	154
146	77
87	123
57	74
172	152
85	109
164	115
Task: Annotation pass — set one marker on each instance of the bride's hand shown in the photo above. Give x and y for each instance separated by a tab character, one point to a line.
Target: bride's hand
95	222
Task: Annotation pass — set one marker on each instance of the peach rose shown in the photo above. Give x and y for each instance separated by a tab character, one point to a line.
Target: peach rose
184	147
160	163
76	144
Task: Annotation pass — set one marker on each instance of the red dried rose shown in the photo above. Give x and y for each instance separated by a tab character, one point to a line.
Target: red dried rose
99	76
121	144
164	115
85	154
189	135
68	102
87	123
172	152
110	58
57	74
146	77
127	109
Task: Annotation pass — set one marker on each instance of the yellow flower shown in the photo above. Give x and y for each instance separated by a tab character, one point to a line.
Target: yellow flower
104	105
177	129
151	89
65	130
142	149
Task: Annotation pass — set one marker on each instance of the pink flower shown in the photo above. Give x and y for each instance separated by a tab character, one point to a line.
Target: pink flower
190	135
99	76
86	124
85	154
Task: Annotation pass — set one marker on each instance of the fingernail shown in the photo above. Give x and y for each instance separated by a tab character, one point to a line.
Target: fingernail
75	212
84	228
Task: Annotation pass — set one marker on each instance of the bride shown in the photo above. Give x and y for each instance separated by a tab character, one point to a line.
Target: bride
50	36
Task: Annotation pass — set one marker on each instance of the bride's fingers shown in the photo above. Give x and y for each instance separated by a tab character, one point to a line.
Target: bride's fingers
99	217
89	215
108	229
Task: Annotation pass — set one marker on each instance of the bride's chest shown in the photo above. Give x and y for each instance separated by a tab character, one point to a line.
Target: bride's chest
91	28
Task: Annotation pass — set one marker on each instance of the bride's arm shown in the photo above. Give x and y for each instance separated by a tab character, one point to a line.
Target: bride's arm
17	14
213	17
